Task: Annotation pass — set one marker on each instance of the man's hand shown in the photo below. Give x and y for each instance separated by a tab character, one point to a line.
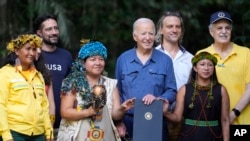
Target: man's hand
148	99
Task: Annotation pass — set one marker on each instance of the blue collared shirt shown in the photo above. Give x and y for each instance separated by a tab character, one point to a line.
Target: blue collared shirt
155	77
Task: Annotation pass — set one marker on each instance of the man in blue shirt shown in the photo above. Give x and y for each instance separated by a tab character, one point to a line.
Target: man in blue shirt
144	72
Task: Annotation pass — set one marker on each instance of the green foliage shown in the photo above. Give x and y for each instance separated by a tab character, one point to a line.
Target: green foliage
110	21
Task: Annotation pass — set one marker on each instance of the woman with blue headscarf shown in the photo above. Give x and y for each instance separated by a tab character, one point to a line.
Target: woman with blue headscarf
89	100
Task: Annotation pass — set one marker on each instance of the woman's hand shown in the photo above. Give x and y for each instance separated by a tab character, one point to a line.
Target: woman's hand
92	111
128	104
165	105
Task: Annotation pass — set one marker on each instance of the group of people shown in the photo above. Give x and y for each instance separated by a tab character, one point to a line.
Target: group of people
48	95
31	75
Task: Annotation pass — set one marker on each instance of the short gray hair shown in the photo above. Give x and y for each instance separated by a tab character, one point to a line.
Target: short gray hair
141	20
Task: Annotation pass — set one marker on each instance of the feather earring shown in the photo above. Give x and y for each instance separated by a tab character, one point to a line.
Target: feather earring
18	64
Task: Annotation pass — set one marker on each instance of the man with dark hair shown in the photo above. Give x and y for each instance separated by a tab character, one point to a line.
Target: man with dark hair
57	60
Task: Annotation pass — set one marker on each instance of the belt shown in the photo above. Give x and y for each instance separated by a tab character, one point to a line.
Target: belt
201	122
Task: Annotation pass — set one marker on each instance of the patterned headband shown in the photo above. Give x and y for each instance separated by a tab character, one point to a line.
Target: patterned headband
204	55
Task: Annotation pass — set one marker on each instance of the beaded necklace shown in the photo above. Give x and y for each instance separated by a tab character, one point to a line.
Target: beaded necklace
196	93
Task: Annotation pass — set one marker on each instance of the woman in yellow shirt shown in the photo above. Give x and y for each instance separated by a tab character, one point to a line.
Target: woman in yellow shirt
23	102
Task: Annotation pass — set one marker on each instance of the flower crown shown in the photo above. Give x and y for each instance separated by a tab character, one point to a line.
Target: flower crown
204	55
21	40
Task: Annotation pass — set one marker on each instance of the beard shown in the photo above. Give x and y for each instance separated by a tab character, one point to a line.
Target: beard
48	42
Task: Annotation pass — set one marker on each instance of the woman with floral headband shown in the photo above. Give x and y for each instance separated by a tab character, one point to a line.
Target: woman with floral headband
23	102
203	103
90	101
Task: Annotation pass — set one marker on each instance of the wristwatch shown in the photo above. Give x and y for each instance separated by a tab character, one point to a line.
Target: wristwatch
236	112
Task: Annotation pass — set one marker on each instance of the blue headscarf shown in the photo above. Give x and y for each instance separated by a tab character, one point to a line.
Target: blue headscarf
92	48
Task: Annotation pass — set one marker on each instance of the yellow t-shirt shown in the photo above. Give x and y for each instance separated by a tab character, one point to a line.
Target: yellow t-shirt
234	73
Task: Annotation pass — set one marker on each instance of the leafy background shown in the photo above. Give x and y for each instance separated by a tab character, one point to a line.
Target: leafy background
110	21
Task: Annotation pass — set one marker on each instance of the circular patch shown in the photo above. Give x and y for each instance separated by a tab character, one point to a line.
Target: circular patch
148	116
96	134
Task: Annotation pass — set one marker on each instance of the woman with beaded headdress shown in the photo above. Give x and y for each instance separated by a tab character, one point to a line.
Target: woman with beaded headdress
202	103
23	102
90	100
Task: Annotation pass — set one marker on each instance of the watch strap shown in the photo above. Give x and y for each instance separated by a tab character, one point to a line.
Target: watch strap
236	112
